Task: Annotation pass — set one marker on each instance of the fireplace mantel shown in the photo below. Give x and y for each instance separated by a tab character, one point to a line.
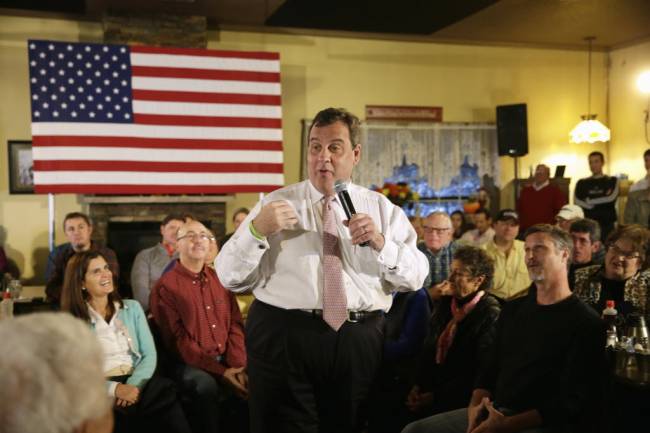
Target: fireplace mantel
114	199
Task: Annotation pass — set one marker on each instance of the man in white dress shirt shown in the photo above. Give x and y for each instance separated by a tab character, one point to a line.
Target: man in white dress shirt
307	371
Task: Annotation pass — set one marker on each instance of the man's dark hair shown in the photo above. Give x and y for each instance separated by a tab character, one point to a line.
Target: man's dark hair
597	153
477	263
73	215
331	115
586	225
646	153
485	212
172	217
243	210
560	238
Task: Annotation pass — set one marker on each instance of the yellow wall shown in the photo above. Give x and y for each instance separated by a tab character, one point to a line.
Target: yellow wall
467	81
627	110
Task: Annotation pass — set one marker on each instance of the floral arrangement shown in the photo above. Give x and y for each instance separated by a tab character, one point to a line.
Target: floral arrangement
398	193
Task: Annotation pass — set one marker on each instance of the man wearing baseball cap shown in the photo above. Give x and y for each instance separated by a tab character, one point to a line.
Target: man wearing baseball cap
569	214
511	278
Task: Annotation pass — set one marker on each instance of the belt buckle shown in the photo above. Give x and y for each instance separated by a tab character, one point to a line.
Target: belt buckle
350	319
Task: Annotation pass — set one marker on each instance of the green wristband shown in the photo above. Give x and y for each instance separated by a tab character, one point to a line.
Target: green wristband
257	235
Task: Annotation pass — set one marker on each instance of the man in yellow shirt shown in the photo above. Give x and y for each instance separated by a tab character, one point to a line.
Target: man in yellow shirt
511	278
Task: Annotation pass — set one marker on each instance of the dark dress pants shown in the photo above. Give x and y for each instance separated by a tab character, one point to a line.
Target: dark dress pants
157	409
304	376
210	406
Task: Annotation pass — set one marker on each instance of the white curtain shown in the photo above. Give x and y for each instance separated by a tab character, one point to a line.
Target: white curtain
438	149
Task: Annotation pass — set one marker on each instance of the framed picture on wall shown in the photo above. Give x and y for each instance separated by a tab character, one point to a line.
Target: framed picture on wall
21	167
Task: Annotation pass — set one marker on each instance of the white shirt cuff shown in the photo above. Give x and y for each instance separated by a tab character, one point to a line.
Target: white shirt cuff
112	386
389	255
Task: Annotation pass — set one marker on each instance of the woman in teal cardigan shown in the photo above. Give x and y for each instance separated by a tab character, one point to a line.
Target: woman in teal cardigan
143	402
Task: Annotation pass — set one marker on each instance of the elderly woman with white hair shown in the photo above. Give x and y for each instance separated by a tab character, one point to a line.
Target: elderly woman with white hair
51	379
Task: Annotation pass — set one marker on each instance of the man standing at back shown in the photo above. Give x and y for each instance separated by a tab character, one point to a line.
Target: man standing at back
545	372
597	194
541	201
314	334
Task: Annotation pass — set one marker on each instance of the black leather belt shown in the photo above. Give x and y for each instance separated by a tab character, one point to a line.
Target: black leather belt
353	316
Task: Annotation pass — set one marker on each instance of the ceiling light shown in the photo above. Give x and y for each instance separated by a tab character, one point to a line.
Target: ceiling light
589	130
643	82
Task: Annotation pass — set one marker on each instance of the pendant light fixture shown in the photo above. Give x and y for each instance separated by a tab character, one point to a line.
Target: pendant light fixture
589	130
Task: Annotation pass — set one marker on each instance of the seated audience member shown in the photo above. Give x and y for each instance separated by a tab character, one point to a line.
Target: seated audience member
622	278
511	278
544	373
585	234
213	250
461	333
237	218
568	215
142	400
405	327
438	248
483	233
540	201
78	230
459	224
51	379
200	323
149	263
416	222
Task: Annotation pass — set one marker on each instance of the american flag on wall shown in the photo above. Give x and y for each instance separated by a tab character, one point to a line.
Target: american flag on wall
117	119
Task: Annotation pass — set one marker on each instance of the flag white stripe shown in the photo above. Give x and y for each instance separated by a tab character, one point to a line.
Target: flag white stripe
209	86
154	178
154	131
202	62
64	153
207	109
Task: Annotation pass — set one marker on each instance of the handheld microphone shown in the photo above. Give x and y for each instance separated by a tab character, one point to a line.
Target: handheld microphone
341	190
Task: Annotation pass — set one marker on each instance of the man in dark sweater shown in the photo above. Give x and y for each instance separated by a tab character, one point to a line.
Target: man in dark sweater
545	372
585	234
597	194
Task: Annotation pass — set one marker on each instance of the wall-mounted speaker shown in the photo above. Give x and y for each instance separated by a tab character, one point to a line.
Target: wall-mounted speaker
512	130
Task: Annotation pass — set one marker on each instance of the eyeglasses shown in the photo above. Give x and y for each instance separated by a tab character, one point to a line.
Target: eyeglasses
436	230
196	237
628	255
456	274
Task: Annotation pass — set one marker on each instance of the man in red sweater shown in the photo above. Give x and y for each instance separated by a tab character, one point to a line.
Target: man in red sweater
201	324
541	201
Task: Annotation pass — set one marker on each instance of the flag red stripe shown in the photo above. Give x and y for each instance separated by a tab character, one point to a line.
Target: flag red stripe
236	122
223	98
152	189
205	74
155	143
147	166
199	52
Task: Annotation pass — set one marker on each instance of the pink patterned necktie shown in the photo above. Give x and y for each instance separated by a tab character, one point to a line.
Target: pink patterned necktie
334	300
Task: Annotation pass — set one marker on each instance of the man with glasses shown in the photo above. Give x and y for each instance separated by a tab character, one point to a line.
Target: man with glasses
438	248
200	322
622	277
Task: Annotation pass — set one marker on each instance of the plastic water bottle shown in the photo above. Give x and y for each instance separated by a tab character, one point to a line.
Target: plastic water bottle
609	316
6	305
